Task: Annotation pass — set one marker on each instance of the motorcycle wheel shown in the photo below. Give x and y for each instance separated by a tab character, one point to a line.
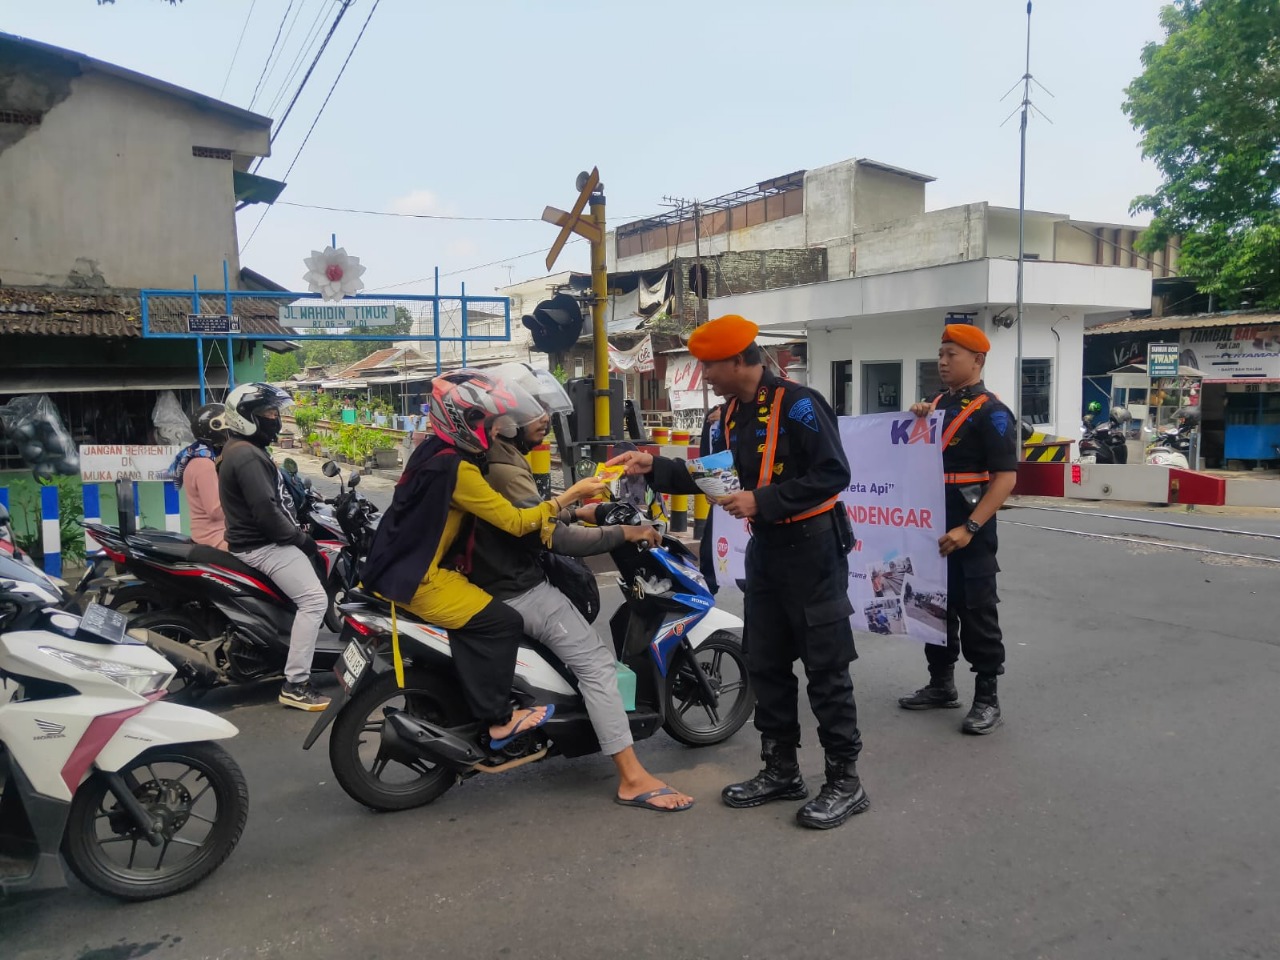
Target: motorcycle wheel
196	789
355	745
725	663
136	598
185	685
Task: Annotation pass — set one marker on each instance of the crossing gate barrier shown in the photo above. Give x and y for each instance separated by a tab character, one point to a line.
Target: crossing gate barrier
1046	448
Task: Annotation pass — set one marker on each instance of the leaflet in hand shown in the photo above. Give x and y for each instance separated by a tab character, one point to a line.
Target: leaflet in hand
611	476
715	475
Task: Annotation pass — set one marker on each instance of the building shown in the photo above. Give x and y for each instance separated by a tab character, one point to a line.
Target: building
112	182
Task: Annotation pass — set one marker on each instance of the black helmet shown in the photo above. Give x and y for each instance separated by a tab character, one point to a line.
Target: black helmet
243	411
202	428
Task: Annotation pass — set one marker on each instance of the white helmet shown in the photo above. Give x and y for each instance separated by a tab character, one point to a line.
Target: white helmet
244	407
539	384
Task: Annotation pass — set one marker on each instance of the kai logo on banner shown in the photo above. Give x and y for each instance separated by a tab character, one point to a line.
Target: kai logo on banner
914	430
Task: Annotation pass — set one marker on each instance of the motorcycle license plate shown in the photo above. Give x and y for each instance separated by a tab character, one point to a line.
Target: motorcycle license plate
351	665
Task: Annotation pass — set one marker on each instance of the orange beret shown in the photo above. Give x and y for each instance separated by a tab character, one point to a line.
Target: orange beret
722	338
966	335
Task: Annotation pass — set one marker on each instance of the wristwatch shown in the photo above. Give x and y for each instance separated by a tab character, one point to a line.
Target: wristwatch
973	526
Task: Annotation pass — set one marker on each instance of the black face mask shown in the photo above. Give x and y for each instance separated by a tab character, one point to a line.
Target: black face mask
267	432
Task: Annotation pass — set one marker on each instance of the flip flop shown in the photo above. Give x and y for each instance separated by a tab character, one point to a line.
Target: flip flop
643	799
521	728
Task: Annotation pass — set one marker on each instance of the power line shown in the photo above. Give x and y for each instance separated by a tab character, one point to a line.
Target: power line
231	66
332	87
308	42
479	266
270	53
346	4
284	45
411	216
320	112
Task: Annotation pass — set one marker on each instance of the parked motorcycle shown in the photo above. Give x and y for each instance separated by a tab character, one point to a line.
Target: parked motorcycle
222	621
1105	442
394	748
1172	448
134	792
350	521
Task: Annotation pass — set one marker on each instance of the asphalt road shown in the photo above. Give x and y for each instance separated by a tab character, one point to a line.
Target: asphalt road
1126	809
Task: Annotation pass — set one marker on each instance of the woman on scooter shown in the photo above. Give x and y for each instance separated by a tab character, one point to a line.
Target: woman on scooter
195	471
508	567
422	542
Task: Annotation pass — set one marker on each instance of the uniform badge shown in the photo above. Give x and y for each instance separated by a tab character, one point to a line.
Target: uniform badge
1000	420
802	412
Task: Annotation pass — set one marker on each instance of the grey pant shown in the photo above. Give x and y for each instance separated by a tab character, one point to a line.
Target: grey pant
292	572
550	618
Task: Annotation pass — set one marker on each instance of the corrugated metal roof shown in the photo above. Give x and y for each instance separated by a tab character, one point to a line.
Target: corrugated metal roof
48	311
1198	321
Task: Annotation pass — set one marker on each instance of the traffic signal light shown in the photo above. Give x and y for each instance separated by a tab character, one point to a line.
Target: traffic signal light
556	323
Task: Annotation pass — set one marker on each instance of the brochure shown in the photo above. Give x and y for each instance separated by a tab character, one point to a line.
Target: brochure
715	475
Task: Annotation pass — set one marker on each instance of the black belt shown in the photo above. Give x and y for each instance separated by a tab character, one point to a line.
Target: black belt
789	534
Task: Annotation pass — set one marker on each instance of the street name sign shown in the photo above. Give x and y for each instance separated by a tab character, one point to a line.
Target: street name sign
212	323
331	316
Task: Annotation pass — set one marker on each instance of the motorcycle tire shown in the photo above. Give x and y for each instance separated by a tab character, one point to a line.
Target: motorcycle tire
138	598
94	805
682	695
354	728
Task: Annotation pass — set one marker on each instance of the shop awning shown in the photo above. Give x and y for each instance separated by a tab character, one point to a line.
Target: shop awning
86	381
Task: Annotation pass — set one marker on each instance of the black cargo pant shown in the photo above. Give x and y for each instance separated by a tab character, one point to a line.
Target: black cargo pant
973	623
797	606
484	654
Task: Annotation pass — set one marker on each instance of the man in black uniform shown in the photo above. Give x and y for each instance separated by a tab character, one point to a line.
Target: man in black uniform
786	448
980	463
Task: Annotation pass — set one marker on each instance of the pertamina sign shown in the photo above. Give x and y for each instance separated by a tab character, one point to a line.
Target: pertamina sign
337	316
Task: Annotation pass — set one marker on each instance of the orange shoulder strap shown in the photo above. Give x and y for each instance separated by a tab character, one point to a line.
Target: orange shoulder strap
771	439
961	417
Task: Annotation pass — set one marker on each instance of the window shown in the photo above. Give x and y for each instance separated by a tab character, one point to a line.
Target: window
579	367
842	387
1037	390
928	383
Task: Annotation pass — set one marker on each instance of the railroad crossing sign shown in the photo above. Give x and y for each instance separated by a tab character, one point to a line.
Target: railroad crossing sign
573	221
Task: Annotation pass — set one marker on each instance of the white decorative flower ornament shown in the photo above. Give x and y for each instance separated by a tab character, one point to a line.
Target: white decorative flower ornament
333	274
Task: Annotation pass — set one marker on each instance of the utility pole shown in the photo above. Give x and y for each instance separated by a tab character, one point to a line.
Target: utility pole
700	285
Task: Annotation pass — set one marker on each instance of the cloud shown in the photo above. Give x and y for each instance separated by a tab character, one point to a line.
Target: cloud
417	201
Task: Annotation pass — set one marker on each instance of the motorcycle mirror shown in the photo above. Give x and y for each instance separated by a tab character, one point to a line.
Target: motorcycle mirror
353	480
306	483
330	469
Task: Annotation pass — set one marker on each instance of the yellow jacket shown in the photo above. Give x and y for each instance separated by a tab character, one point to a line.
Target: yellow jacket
446	597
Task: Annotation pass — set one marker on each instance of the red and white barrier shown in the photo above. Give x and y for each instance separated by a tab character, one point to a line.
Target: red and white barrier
1142	483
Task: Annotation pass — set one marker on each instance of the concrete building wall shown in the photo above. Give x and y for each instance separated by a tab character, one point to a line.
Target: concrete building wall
879	196
1002	234
105	191
828	203
941	236
1073	244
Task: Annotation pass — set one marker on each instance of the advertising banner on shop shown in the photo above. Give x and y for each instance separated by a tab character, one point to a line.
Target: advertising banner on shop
1233	353
895	501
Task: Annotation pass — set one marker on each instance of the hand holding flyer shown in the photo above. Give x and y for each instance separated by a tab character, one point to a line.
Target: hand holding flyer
715	475
611	476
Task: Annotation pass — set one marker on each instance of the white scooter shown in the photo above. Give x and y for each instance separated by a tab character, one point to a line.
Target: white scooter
132	790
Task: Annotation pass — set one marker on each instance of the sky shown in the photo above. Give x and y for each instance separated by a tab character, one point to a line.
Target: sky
490	109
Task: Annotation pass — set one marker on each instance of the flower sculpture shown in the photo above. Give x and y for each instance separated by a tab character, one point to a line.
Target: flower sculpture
333	274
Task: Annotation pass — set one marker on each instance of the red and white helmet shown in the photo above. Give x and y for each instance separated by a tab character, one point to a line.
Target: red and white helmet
468	408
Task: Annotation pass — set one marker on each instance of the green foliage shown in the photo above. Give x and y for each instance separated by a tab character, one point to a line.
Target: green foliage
26	522
345	352
305	416
560	373
282	366
357	442
1208	107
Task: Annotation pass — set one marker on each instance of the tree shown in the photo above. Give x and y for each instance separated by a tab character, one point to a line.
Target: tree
1208	107
345	352
281	366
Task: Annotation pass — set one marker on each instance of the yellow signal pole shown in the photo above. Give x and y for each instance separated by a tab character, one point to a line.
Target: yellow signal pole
600	289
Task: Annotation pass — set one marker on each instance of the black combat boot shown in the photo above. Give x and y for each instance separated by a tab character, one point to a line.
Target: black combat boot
984	715
939	694
779	780
839	799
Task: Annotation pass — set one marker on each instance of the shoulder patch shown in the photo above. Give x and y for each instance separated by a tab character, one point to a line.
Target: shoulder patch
1001	420
802	412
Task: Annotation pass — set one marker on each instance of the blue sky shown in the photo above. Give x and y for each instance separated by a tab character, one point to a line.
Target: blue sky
488	109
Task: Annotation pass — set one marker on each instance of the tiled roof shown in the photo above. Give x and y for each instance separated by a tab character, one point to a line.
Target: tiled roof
50	311
1191	322
379	358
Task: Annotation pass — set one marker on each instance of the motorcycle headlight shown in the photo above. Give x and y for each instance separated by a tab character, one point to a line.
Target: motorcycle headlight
138	680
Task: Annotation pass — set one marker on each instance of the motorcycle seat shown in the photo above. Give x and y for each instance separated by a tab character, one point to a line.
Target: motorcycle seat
192	552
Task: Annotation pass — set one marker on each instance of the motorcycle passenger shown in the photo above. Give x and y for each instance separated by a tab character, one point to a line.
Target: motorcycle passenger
415	557
261	530
195	471
508	567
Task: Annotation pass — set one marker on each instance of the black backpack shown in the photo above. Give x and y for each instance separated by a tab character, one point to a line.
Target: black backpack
572	577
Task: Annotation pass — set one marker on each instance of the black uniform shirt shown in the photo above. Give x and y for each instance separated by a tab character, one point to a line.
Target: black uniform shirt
809	466
987	441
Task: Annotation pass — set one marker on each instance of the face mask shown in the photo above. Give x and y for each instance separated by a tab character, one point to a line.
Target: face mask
267	431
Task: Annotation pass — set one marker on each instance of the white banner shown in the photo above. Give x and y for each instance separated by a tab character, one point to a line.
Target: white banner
639	359
684	384
102	463
896	503
1233	353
